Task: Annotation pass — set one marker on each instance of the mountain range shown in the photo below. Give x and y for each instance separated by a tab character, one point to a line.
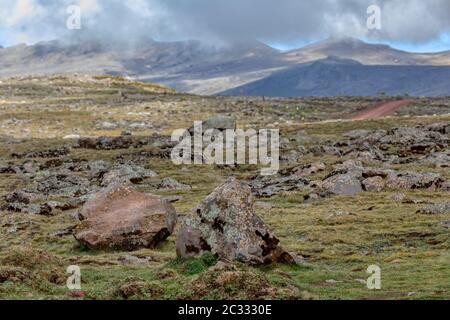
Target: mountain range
332	67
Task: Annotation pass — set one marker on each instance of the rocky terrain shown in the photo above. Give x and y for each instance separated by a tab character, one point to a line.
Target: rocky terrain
87	180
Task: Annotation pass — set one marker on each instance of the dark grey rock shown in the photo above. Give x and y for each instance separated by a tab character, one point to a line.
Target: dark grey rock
126	173
226	225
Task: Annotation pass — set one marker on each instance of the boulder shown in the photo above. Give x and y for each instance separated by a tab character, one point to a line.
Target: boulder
342	184
374	184
414	180
226	225
120	218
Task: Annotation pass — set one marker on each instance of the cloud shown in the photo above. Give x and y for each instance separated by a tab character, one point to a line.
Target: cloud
281	21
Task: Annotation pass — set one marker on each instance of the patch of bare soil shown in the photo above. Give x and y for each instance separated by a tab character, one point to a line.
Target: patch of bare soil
381	110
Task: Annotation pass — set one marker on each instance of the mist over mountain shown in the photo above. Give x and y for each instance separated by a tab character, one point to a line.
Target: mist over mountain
333	66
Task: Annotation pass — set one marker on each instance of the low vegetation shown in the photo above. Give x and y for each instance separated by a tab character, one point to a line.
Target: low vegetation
336	237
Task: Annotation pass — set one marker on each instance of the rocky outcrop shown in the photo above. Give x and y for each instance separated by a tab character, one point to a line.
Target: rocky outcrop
49	153
403	141
125	142
308	169
343	184
106	143
351	178
226	225
126	173
120	218
268	186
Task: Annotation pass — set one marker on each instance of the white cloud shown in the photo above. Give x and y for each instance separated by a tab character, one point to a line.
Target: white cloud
17	12
89	6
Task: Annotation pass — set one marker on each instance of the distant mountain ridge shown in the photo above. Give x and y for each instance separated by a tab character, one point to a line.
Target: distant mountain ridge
342	77
194	67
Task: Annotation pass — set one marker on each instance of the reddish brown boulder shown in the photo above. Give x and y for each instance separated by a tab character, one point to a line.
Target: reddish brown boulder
120	218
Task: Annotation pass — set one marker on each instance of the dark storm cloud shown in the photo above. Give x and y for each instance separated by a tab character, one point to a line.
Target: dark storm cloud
226	20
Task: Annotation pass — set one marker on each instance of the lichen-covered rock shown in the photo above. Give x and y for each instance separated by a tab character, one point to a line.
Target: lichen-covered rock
172	184
309	169
63	184
120	218
343	184
225	224
268	186
374	184
437	159
446	186
49	153
106	143
443	127
414	180
125	173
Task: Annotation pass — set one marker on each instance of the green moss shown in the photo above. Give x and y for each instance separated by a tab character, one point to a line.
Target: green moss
191	266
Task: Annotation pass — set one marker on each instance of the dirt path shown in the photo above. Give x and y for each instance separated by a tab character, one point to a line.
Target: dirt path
381	110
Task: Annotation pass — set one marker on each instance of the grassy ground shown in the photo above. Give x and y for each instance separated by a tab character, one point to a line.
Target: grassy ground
339	237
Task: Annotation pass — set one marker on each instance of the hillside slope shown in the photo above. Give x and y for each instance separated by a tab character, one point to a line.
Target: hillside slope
334	76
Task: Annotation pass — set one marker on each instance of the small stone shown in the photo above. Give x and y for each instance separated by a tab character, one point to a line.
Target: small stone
263	205
397	196
437	208
76	294
445	224
71	137
134	260
172	184
331	281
